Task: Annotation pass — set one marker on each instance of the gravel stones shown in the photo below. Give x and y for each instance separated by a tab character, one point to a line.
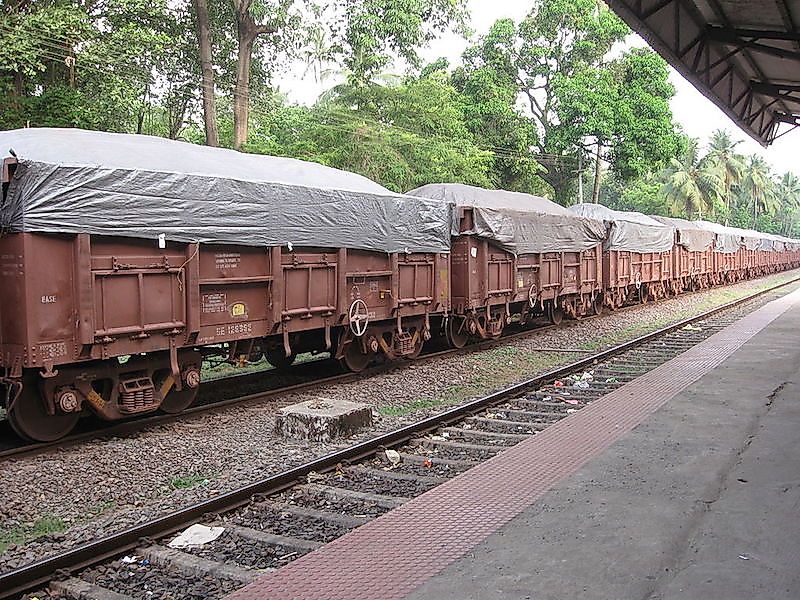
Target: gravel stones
263	518
251	554
142	580
364	482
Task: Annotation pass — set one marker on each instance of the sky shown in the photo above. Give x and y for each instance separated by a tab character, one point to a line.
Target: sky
697	115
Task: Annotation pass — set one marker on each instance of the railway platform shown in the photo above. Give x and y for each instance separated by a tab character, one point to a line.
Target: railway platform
684	483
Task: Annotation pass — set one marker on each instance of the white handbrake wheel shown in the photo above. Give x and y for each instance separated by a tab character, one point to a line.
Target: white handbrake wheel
359	317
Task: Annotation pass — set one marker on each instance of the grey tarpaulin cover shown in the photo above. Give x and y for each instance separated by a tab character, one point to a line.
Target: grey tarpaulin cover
753	240
629	231
74	181
690	236
519	223
728	240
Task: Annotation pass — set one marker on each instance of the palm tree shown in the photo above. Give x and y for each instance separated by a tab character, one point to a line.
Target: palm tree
787	195
690	186
757	188
723	160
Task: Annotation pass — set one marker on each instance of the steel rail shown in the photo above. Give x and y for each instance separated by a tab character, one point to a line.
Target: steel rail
27	578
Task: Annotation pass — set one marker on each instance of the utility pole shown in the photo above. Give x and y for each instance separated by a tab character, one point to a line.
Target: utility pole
580	176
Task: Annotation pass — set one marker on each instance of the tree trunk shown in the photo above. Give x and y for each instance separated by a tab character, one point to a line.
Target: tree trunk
207	70
596	190
241	95
247	32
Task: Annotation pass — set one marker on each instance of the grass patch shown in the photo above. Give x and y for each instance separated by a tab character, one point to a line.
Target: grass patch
185	482
491	370
22	534
210	371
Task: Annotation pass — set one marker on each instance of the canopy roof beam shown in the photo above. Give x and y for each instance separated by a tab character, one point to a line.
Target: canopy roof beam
745	57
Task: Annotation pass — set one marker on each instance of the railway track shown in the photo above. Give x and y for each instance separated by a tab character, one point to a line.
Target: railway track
271	522
267	384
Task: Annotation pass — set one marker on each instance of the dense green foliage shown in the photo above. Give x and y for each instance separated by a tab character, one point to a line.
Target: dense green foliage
535	106
721	185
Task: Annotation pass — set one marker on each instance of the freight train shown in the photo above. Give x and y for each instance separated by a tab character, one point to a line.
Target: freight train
125	261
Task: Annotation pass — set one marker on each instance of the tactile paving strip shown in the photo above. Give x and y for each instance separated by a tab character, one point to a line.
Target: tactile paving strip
390	556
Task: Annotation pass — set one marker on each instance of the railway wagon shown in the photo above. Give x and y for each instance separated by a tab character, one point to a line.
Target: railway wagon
736	252
126	260
692	255
637	255
519	255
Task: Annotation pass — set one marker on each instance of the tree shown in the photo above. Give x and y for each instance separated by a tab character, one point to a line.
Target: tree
757	187
488	103
640	195
787	194
728	166
204	45
557	40
690	188
369	32
248	29
108	65
401	136
578	98
363	34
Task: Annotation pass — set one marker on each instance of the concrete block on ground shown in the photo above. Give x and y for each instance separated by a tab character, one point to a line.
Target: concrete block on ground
322	420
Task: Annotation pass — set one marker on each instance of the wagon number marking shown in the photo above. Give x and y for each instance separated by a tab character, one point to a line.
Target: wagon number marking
234	328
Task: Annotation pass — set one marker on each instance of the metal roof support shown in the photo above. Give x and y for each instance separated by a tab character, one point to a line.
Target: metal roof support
726	53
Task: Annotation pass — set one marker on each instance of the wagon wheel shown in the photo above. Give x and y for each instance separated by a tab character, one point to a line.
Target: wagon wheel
417	346
276	356
554	315
174	401
597	305
642	292
353	358
457	332
28	416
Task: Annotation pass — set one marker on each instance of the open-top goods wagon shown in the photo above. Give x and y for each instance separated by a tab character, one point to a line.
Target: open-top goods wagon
637	255
519	255
125	260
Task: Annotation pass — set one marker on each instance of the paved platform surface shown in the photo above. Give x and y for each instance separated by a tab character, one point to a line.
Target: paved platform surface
683	484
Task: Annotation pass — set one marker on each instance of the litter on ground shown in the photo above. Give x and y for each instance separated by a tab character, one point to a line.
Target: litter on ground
196	535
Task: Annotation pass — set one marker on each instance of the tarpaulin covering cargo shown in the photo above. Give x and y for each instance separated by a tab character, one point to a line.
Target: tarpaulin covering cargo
74	181
519	223
629	231
690	236
770	243
728	240
754	240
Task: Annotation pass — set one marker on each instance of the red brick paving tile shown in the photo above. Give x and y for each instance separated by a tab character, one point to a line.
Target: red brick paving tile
390	556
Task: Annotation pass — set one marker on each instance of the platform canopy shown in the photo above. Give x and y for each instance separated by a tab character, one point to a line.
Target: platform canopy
744	55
